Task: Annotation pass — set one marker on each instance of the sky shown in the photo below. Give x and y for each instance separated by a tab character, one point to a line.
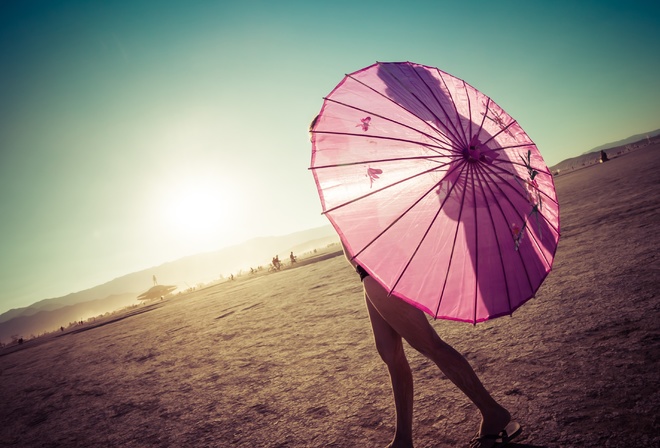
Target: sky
133	133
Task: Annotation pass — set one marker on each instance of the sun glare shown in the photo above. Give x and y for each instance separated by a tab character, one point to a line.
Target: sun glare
196	211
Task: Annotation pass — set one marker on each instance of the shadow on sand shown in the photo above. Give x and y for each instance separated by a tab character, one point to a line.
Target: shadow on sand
525	445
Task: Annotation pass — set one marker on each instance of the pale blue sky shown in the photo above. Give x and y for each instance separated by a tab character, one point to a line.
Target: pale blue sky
133	133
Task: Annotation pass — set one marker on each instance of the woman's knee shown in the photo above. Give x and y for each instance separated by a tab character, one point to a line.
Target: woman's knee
431	346
391	352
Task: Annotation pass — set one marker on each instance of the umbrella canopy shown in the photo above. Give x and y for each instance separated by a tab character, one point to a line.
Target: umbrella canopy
435	191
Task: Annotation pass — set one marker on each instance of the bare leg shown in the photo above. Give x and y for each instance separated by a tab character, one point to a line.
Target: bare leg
390	348
411	324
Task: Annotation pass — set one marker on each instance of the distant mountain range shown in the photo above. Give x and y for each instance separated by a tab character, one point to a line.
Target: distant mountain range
625	141
187	272
36	323
613	149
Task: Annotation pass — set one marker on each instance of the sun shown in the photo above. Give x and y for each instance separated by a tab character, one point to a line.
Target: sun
195	210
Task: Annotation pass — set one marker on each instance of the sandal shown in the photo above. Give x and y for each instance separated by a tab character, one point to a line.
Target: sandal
512	430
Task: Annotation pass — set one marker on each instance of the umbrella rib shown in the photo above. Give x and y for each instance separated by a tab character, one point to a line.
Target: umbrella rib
454	136
538	245
467	95
397	220
496	163
502	129
514	187
384	188
497	236
476	244
483	118
522	145
455	133
394	102
381	137
488	184
547	173
518	191
453	247
428	229
512	162
516	176
435	138
522	195
458	115
525	217
396	159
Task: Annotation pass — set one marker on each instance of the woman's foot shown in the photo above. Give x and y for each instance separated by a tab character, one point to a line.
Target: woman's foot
494	420
496	429
497	438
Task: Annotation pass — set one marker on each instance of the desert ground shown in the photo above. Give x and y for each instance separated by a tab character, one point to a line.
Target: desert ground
286	359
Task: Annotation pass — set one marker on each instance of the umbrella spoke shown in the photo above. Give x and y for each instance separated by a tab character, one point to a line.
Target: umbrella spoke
554	201
453	102
493	177
499	206
476	241
481	180
503	129
543	193
515	187
400	106
467	95
389	226
453	247
455	137
371	113
483	118
539	249
428	229
524	218
456	134
518	180
435	168
522	145
381	137
516	163
362	162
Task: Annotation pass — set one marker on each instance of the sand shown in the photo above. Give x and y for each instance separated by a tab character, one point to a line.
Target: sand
286	359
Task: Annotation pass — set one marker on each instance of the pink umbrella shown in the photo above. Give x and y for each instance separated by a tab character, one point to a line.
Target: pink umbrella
435	191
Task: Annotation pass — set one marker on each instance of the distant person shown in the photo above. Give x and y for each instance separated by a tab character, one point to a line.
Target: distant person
154	279
393	320
603	157
292	257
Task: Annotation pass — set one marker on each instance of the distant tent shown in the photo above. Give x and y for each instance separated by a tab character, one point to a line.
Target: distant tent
156	292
